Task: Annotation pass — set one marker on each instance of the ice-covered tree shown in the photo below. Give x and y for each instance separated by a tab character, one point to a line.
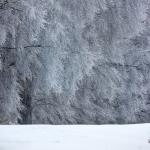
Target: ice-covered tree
74	61
21	21
113	33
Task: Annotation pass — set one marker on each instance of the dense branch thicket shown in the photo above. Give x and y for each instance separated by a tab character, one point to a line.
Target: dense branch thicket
74	61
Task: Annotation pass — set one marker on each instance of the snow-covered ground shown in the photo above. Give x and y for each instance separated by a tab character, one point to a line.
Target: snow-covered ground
82	137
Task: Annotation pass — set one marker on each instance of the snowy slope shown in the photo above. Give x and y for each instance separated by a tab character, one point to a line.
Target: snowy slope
84	137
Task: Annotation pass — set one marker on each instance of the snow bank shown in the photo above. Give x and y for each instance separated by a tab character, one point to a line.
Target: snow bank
81	137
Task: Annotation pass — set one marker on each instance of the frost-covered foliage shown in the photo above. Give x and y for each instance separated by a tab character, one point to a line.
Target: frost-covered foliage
18	27
75	61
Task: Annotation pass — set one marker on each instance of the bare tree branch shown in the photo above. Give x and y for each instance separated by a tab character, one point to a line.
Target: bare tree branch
25	47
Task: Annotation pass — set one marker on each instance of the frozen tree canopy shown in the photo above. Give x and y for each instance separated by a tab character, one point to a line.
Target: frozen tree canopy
74	61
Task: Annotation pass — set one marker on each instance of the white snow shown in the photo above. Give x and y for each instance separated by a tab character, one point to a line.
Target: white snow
75	137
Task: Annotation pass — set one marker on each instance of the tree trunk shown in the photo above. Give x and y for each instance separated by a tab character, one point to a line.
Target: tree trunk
26	113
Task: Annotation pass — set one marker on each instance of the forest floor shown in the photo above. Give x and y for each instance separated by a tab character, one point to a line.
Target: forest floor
75	137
